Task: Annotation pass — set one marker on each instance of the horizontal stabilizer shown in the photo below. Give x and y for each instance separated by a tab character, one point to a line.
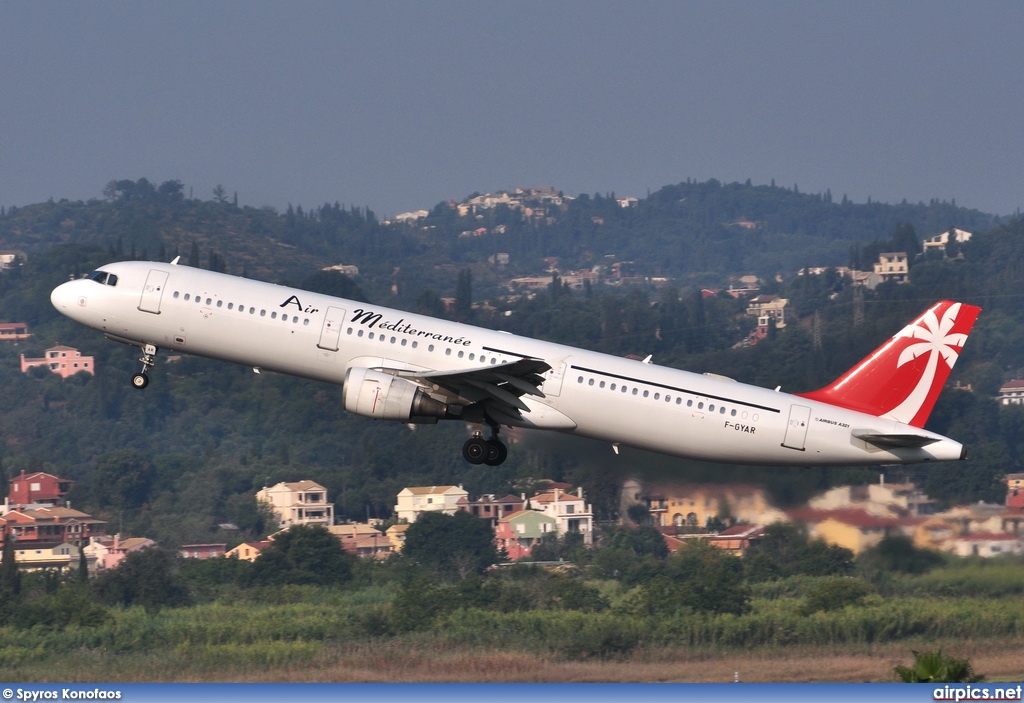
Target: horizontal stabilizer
893	441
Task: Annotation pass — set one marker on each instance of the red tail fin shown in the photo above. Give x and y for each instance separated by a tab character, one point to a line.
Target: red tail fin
902	379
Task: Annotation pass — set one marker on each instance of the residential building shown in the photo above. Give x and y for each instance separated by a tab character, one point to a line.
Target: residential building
414	500
298	503
693	506
987	544
769	309
49	525
518	532
37	488
940	241
1011	392
247	551
893	266
737	539
46	555
202	551
396	535
570	512
61	360
362	539
492	508
854	529
13	331
882	499
108	552
1014	491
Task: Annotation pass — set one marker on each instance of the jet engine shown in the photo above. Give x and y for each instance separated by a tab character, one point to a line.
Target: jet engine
383	396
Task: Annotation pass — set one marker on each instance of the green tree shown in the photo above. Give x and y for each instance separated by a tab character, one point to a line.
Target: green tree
897	553
10	576
786	550
698	577
148	577
303	554
458	544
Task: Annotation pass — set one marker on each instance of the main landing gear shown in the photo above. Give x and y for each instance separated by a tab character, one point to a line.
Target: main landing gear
478	450
141	379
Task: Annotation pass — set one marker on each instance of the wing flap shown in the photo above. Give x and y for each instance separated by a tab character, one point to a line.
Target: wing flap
498	388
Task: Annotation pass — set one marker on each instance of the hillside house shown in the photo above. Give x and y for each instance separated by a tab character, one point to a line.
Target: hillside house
13	331
1011	392
396	535
854	529
38	488
737	539
491	508
987	545
108	552
362	539
49	525
769	309
202	551
892	266
518	532
247	551
940	241
692	506
39	556
1014	491
570	512
298	503
882	499
414	500
61	360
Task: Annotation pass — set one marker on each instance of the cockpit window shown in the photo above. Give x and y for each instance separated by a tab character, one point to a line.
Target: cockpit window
100	276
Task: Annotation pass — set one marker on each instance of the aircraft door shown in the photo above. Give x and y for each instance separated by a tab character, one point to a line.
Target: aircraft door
553	378
796	428
153	291
330	334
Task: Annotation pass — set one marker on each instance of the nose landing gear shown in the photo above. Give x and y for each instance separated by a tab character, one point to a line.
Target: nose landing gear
141	379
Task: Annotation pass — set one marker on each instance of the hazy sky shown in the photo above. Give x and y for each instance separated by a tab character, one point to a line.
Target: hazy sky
400	105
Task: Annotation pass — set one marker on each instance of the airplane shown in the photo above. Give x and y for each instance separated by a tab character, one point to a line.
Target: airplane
394	365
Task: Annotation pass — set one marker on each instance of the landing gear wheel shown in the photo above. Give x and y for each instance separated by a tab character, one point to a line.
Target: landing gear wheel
141	379
497	452
475	450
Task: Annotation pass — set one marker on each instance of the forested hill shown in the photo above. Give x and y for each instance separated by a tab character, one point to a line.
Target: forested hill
700	232
189	453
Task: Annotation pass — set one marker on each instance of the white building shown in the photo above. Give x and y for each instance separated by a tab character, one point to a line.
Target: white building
570	512
414	500
300	503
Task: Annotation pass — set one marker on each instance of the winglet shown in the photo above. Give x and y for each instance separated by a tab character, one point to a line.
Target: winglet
902	379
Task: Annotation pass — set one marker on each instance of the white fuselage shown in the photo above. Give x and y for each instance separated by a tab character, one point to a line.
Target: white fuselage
586	393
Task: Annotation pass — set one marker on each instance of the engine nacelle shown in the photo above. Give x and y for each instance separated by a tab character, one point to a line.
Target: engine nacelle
383	396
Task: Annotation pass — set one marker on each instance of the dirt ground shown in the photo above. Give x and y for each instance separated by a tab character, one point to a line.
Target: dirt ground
997	662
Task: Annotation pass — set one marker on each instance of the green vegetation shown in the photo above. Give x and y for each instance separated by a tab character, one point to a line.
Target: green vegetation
235	629
176	462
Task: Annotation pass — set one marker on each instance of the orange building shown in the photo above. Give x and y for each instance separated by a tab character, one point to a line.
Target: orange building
61	360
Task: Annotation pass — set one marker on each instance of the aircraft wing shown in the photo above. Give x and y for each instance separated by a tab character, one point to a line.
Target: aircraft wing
497	388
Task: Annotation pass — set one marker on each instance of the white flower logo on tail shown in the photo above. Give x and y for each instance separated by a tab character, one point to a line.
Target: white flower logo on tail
936	339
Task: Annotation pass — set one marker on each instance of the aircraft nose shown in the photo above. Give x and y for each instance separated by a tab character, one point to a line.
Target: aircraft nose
64	298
